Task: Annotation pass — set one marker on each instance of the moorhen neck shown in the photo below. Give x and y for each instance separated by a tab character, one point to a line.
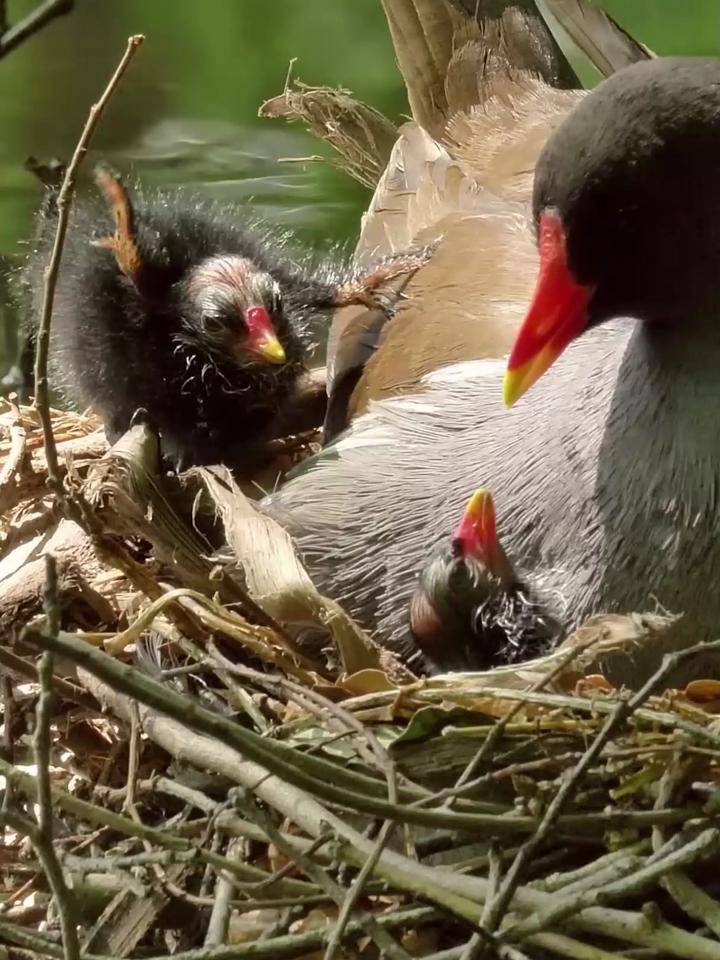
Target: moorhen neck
192	313
607	472
469	611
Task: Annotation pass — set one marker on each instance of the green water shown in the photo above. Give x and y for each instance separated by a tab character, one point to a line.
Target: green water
186	112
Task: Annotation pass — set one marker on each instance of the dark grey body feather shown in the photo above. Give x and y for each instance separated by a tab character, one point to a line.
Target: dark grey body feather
604	478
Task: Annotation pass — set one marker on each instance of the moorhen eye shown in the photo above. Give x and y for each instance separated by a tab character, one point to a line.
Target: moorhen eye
213	323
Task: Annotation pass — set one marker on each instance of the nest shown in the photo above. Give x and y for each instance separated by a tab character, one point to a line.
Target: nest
209	753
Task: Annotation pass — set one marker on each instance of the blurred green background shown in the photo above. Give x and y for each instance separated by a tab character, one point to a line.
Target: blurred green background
186	112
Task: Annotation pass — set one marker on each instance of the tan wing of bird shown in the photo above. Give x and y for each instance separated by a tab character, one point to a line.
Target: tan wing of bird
489	89
471	198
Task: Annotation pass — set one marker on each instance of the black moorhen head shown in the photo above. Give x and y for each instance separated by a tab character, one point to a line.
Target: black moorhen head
469	610
626	212
192	314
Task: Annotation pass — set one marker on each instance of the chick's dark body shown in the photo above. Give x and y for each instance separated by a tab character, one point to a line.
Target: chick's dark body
119	346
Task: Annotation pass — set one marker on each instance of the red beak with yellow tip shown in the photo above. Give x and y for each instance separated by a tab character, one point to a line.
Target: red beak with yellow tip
262	339
557	313
476	535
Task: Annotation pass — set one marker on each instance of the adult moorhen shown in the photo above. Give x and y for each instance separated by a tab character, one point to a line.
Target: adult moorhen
469	611
192	313
607	474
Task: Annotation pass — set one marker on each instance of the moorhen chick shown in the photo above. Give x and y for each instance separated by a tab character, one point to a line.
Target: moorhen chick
608	472
191	313
469	610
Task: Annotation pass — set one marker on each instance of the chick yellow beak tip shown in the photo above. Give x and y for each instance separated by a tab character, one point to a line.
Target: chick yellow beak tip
480	502
272	350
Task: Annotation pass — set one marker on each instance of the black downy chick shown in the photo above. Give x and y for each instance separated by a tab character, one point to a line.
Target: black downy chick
191	314
469	610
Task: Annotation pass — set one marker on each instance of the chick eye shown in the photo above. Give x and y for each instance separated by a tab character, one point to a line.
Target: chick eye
457	573
213	323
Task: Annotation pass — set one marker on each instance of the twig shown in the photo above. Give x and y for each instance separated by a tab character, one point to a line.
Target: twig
69	691
12	37
251	889
8	718
100	816
111	864
459	894
321	778
55	879
494	874
18	442
600	867
223	819
354	893
43	838
385	943
133	761
28	940
42	400
19	893
591	706
550	943
304	694
481	937
292	945
463	782
43	716
220	916
503	773
623	709
707	844
691	898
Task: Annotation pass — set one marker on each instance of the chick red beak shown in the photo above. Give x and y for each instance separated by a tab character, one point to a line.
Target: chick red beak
557	313
476	535
262	339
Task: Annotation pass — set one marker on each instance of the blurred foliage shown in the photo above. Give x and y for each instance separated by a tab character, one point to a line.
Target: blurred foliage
186	113
187	110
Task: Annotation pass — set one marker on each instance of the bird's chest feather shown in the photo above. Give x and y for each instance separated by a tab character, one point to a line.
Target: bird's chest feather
640	476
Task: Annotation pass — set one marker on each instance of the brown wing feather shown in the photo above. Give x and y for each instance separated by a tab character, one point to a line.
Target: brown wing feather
472	197
447	49
458	307
601	39
484	80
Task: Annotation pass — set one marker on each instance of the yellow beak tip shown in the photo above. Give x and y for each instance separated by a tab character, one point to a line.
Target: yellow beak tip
511	388
480	499
272	350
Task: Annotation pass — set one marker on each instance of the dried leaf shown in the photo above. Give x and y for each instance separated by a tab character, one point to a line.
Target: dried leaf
278	581
703	691
367	681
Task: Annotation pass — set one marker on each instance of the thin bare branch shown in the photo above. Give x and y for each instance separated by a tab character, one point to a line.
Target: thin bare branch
42	401
12	37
